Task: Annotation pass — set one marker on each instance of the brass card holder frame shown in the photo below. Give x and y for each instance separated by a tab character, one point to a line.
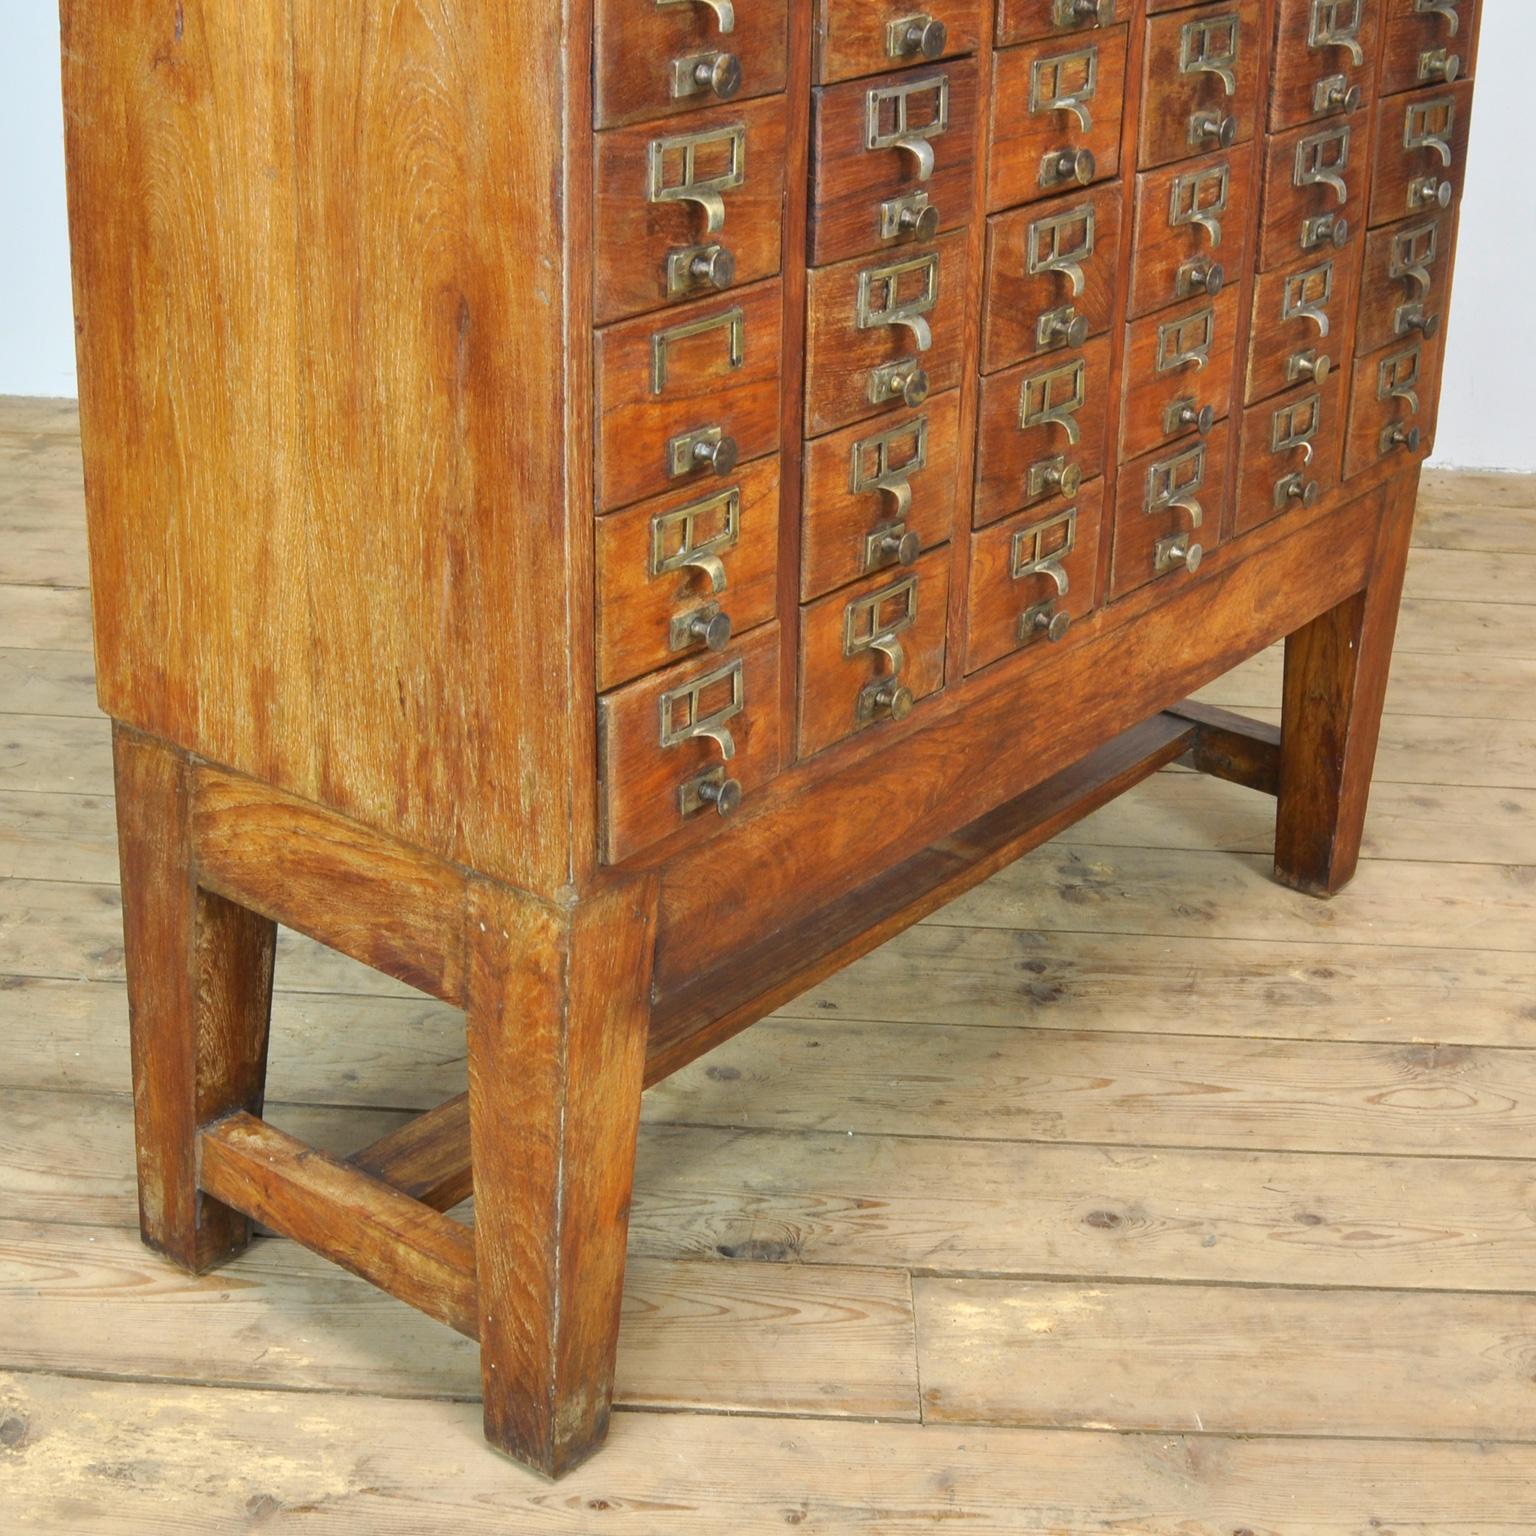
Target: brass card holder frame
1323	158
1047	249
1210	45
1431	125
1446	10
1289	429
902	134
1201	198
1186	342
679	709
1397	377
1415	251
1336	24
1030	555
732	321
895	479
885	282
875	622
1053	398
706	192
1307	296
690	551
1048	77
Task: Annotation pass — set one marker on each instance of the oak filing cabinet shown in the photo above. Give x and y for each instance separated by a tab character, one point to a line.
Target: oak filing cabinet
605	512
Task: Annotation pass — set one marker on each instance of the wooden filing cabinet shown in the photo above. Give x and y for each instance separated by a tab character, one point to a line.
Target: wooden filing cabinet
606	511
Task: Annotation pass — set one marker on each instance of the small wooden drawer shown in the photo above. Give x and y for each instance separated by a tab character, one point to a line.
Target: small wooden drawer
1421	152
884	334
1043	431
1031	577
864	37
1392	402
1178	373
879	494
1201	89
655	57
1168	511
1428	44
1052	277
1021	21
1325	59
869	653
1303	318
1056	113
1407	267
1314	190
1191	230
688	208
686	572
688	745
893	160
1290	452
683	397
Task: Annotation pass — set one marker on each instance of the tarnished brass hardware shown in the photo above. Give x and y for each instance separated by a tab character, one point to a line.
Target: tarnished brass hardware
678	545
1325	229
1175	552
1201	198
1413	317
915	37
1307	296
685	715
1187	342
1040	549
889	119
1445	9
1202	275
1209	46
1074	13
1400	435
1053	398
708	626
1061	328
1397	377
725	12
1414	252
1293	428
672	171
1439	64
891	544
1053	477
707	448
692	267
1060	243
910	216
1181	415
880	303
1044	619
719	74
1296	487
1336	24
1308	364
876	468
1212	130
1431	125
877	621
710	788
1334	93
1429	192
1064	165
1322	159
905	380
732	321
885	696
1173	482
1066	82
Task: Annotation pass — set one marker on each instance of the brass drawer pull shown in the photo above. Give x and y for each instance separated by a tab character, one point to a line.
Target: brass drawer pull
1209	46
1295	426
1412	317
1397	377
1066	82
1429	192
732	321
1201	198
1183	414
681	153
1446	10
1186	343
1308	364
1172	484
1336	24
676	544
1307	296
725	12
1430	125
710	788
880	302
683	716
717	73
1439	64
1075	13
1061	243
1062	327
1200	276
705	448
1322	159
1296	487
1053	399
1063	165
1334	93
1039	550
1044	619
906	380
889	119
875	624
875	467
891	544
1400	435
1053	477
708	625
1325	229
699	266
1414	252
910	216
915	37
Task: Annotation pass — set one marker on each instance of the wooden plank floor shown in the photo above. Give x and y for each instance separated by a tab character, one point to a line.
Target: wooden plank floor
1130	1192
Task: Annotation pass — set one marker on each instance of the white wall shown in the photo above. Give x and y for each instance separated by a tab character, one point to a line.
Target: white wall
1486	417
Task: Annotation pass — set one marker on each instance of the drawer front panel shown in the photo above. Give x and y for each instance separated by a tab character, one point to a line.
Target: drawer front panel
869	654
864	37
893	160
1428	44
1178	374
685	573
1421	152
1056	114
1052	277
689	745
879	494
1022	21
883	335
1191	230
1290	451
659	57
689	208
1031	578
1168	513
1042	431
1303	319
1392	402
1314	190
1403	291
1201	87
1325	59
683	397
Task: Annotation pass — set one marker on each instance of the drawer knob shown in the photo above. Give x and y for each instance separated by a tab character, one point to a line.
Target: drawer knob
1185	413
1325	229
1046	621
916	37
1178	551
905	381
1309	365
1298	488
1062	328
887	696
1054	477
1215	130
1400	435
921	223
898	547
719	456
1414	317
713	267
1072	13
725	795
1201	276
1064	165
1430	192
1440	64
1336	94
708	625
717	73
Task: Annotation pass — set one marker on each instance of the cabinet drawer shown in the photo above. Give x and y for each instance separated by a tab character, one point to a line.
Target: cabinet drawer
1168	513
1421	152
878	494
1428	44
1201	87
1325	59
1052	277
1290	451
1303	318
686	572
1056	113
884	334
1178	373
1031	576
869	653
689	208
1043	430
683	397
1314	190
688	745
1191	230
1392	402
1021	21
655	57
1403	292
893	160
863	37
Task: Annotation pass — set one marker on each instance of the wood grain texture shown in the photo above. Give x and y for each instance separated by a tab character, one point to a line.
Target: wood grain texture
1167	112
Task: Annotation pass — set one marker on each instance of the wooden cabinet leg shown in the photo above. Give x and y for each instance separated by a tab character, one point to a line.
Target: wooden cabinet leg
1335	686
558	1016
199	1003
